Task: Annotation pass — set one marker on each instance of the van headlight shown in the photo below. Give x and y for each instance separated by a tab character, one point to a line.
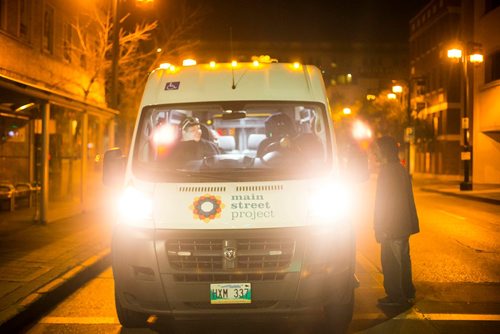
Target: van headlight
135	208
330	202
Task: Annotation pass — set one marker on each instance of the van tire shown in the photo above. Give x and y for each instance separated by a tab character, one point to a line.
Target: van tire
128	318
338	317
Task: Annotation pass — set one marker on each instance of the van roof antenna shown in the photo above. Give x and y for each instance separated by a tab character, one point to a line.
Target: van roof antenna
233	86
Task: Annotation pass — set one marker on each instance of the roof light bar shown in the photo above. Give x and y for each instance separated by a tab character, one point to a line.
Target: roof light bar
188	62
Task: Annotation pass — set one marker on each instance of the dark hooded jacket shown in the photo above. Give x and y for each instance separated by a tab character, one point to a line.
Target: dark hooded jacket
395	211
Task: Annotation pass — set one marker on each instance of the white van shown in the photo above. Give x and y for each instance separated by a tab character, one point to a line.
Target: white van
252	222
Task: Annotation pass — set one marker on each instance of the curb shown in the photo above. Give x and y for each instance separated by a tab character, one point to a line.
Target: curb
463	195
28	309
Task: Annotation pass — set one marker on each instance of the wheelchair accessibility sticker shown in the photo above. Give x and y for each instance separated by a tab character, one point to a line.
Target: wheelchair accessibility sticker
172	85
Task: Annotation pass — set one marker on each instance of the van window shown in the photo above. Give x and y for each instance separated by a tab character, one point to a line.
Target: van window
232	142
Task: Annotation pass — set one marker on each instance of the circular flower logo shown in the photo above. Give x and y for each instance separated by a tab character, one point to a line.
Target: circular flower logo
206	207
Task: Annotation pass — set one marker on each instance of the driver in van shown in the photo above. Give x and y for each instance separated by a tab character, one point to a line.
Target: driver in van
192	146
279	131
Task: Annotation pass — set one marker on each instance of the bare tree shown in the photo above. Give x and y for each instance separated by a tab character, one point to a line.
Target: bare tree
170	42
93	47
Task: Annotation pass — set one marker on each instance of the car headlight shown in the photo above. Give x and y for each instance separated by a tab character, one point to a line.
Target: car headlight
330	202
135	208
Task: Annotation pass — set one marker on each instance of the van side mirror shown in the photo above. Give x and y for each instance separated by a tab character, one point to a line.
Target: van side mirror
114	163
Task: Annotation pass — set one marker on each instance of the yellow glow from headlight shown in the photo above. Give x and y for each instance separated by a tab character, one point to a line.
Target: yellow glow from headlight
164	135
296	65
331	201
361	131
135	207
255	63
234	63
165	66
212	64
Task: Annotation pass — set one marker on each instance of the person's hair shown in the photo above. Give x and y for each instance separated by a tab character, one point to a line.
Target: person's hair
388	148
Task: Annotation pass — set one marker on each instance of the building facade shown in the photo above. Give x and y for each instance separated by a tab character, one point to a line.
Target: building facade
486	126
54	123
437	104
457	95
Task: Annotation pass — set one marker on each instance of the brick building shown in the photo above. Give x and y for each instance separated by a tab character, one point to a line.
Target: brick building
52	131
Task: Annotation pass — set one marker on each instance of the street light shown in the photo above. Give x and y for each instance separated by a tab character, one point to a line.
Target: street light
474	57
409	131
347	111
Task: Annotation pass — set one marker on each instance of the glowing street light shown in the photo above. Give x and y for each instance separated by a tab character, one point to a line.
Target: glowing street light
397	89
475	58
455	54
392	96
347	111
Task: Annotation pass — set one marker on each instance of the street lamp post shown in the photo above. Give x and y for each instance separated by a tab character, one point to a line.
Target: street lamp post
458	55
399	89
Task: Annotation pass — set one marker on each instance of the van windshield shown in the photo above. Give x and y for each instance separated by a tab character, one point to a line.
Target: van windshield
232	142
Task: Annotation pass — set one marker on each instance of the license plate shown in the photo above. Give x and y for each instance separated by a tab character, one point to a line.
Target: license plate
231	293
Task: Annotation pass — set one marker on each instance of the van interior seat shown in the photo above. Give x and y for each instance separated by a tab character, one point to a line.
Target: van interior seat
254	140
226	143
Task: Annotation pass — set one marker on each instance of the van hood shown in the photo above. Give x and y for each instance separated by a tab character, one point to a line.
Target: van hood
231	205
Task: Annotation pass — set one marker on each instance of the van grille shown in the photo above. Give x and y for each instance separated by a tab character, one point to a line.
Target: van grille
259	259
229	277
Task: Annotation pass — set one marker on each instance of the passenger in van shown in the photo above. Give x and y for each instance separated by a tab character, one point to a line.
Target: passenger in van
192	146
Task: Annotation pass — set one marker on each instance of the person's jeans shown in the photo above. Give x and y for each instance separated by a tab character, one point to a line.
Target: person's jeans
396	267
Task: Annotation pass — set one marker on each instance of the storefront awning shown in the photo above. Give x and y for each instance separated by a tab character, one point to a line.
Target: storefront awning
14	93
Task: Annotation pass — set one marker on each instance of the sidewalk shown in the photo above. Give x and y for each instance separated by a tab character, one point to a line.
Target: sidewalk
37	261
488	193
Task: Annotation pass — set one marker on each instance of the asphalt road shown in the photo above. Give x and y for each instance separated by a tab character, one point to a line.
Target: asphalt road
456	266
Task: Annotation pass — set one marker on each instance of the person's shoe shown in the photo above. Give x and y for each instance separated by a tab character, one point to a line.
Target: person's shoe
388	301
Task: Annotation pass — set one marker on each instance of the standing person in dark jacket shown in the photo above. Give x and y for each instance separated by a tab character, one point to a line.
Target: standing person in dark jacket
395	220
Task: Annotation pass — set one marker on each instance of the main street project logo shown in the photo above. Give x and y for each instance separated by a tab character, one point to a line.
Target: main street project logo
206	207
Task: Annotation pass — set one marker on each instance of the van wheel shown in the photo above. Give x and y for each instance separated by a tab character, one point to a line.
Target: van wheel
128	318
339	316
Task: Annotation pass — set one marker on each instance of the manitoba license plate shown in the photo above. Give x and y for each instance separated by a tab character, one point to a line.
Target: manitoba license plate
231	293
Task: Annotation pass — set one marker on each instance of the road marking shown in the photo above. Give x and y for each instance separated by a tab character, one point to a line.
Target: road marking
462	317
452	215
414	315
80	320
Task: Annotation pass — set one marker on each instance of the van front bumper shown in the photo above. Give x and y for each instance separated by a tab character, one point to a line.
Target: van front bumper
169	272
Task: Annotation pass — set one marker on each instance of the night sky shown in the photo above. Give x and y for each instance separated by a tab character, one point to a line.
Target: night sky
306	20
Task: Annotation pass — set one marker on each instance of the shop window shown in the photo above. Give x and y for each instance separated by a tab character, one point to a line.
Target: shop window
489	5
492	67
67	41
15	17
2	14
48	29
24	19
